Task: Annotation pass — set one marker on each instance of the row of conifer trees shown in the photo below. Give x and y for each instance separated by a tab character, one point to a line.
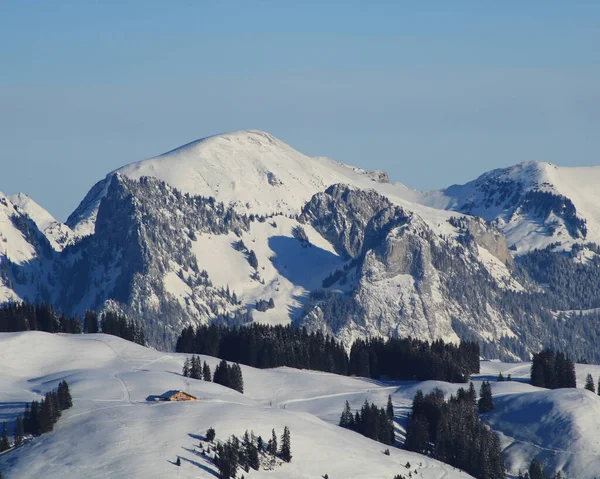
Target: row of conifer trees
39	416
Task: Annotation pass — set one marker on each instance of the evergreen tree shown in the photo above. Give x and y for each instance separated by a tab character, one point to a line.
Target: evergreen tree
4	442
486	401
64	396
500	377
589	383
236	379
178	462
536	471
90	322
19	431
272	446
186	368
509	378
210	434
286	448
390	408
347	419
221	375
206	374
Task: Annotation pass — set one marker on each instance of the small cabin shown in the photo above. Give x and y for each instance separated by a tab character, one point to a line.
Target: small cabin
173	396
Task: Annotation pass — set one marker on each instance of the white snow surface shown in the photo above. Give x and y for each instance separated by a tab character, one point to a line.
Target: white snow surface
113	432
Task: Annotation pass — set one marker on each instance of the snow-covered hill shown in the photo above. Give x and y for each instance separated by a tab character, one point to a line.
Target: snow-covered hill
113	432
536	204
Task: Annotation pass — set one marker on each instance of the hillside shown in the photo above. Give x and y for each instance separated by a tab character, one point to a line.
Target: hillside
112	431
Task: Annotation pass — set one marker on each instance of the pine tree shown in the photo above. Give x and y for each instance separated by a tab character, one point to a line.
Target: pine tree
286	447
4	442
206	372
236	379
390	408
64	396
589	383
19	431
500	377
347	419
486	401
186	368
178	463
210	434
536	471
272	449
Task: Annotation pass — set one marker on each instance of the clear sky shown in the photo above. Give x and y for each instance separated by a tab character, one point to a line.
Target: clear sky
434	92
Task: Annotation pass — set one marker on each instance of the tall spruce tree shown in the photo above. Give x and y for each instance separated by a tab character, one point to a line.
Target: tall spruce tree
272	446
206	374
19	431
390	408
589	383
486	401
286	445
4	442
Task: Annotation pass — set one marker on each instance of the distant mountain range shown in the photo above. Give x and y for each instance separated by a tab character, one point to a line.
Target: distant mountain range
240	227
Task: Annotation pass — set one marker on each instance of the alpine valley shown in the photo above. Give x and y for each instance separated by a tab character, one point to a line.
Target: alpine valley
240	228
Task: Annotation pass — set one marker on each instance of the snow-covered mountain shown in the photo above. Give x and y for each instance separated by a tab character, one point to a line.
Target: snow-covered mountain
241	227
535	204
58	234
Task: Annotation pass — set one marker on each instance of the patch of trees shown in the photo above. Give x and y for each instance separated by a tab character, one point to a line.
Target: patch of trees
40	416
299	233
409	358
41	317
263	305
249	452
552	371
193	368
452	432
371	421
537	472
119	325
265	346
229	375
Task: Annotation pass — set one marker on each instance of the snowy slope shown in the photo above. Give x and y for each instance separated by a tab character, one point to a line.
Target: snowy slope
112	431
59	234
530	221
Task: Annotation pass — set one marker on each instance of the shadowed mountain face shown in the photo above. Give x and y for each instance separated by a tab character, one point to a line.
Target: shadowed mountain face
219	228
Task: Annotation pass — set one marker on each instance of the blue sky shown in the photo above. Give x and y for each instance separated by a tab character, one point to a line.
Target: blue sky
433	92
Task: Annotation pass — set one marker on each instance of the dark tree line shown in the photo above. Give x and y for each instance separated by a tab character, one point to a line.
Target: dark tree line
452	432
371	421
119	325
42	317
266	347
229	375
552	370
40	417
409	358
